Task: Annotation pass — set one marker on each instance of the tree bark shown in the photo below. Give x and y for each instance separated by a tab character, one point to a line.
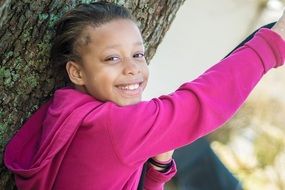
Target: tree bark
26	78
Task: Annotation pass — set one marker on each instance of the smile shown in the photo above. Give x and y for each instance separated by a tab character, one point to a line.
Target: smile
130	90
129	87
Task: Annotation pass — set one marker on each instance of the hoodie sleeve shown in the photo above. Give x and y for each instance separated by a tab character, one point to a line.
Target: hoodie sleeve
155	180
197	108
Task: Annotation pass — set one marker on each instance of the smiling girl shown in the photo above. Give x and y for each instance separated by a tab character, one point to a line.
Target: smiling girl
97	133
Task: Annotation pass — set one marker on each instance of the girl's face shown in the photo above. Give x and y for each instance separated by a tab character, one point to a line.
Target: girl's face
113	65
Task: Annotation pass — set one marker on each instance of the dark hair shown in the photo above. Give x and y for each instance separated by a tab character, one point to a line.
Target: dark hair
70	27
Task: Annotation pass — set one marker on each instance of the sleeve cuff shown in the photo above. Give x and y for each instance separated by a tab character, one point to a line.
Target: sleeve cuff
269	46
156	180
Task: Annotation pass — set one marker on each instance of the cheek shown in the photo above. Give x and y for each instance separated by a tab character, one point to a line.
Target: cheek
145	71
107	78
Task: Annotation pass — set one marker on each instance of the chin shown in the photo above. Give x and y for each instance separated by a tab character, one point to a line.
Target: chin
128	102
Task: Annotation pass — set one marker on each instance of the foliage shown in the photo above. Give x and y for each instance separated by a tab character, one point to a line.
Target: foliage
255	145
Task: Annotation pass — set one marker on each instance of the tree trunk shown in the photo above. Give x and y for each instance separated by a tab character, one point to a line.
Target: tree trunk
26	79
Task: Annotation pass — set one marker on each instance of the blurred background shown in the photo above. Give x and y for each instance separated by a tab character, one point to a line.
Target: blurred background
251	145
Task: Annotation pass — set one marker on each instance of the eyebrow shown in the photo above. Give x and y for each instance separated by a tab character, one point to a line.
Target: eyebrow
118	45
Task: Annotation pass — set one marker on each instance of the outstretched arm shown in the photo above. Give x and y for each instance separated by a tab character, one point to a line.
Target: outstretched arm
278	27
197	107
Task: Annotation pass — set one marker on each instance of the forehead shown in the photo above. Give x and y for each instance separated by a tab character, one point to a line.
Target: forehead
116	32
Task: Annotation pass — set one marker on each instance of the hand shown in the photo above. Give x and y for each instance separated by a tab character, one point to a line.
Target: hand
164	157
279	27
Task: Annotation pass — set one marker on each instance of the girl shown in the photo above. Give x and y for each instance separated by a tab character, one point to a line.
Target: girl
98	133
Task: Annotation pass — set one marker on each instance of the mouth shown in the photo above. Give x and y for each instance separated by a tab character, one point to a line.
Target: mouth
129	86
130	90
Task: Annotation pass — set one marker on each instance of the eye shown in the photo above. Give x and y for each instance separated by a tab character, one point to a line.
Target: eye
138	55
112	59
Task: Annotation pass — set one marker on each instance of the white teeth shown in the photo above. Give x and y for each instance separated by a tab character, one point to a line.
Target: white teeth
130	87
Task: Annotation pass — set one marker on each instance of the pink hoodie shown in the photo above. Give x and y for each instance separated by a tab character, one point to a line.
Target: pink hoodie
76	142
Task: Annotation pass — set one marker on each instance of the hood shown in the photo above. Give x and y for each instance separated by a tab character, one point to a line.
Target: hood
34	154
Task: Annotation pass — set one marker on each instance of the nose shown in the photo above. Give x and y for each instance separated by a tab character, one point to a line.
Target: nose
131	67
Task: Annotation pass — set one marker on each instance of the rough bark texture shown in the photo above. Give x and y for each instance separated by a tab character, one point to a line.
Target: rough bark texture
26	79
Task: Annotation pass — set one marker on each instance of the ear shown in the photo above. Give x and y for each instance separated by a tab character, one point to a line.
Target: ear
75	73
